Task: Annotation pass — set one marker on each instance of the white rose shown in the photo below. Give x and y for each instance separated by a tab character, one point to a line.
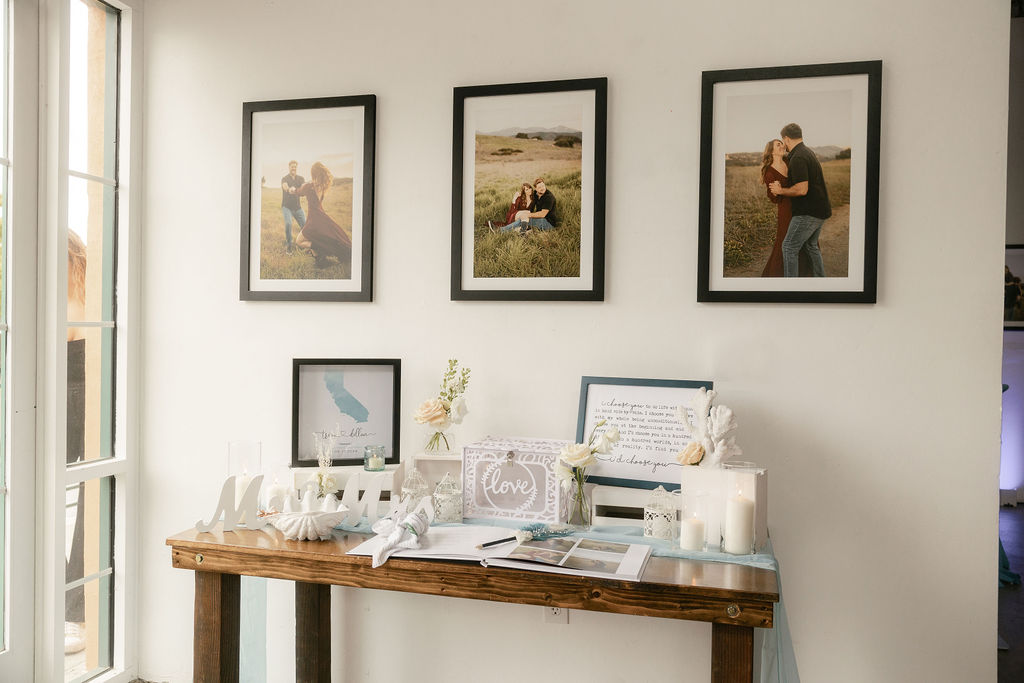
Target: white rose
612	435
459	410
432	412
604	444
564	475
577	455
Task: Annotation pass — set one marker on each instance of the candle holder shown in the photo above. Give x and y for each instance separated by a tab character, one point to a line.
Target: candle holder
244	463
448	501
660	515
414	489
693	526
743	496
373	458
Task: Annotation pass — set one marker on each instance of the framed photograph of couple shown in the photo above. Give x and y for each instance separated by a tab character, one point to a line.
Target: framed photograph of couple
789	184
340	406
528	191
307	199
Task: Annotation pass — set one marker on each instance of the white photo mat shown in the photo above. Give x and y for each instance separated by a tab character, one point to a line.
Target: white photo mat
644	411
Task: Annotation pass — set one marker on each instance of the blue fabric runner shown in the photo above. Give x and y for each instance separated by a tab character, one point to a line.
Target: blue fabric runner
778	661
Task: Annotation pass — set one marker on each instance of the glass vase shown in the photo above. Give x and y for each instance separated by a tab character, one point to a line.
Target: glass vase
580	512
440	442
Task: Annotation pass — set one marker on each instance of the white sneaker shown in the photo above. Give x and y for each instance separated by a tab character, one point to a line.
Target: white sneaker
74	637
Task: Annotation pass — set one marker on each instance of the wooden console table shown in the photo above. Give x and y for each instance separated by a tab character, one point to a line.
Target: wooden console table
734	598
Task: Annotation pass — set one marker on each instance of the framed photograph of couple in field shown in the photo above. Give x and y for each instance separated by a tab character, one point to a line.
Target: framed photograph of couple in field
307	199
528	187
789	184
340	406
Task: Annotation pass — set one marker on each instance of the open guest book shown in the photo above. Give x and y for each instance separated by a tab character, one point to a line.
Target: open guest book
579	556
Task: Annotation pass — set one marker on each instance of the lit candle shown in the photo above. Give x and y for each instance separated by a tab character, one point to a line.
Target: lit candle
691	534
241	484
376	462
739	525
277	491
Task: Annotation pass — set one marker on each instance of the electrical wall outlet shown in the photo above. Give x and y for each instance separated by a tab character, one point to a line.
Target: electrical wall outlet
556	615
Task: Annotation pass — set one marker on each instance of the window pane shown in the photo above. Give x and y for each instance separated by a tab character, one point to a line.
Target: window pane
94	634
92	95
3	242
3	487
90	416
90	250
88	555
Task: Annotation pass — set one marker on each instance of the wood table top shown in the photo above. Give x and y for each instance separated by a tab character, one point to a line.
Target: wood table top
697	590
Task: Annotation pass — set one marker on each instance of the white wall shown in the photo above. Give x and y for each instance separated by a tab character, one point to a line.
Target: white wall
879	424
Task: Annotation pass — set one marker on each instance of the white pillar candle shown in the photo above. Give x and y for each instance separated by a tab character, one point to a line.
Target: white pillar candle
691	534
241	484
275	491
376	462
739	526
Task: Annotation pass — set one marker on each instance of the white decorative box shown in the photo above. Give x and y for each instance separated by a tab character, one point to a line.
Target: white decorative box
512	479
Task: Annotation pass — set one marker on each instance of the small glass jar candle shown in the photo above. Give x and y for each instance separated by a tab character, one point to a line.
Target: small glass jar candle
448	501
373	458
660	515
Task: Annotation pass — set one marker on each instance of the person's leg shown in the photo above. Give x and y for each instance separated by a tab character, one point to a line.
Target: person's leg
287	213
800	228
814	252
300	217
541	224
514	225
74	566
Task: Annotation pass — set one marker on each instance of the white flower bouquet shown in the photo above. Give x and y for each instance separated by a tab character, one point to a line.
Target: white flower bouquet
448	408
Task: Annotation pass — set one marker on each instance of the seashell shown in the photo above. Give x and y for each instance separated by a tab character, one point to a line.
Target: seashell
310	521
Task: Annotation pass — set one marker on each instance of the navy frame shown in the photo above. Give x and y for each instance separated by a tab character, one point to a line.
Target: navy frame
581	421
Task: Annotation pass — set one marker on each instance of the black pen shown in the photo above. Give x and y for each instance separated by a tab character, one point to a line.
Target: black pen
497	542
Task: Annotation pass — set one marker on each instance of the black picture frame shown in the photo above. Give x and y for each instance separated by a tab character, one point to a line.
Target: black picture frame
1015	267
373	385
643	410
735	274
487	266
334	131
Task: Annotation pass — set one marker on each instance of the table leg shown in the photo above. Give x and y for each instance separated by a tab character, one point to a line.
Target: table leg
215	651
312	633
732	653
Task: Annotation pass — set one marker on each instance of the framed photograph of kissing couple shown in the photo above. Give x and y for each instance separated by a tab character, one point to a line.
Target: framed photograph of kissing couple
307	199
528	191
789	161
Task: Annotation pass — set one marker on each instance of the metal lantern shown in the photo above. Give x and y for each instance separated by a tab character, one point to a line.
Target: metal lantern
414	489
660	515
448	500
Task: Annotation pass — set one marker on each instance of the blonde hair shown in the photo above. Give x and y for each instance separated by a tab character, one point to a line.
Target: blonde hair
322	178
76	267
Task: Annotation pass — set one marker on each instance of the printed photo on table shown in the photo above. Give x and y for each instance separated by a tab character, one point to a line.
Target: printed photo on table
528	191
307	204
789	184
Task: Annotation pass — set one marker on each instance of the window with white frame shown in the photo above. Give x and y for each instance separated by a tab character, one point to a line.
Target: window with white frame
94	464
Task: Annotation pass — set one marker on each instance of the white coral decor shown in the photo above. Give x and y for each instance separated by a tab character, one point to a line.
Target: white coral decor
709	427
